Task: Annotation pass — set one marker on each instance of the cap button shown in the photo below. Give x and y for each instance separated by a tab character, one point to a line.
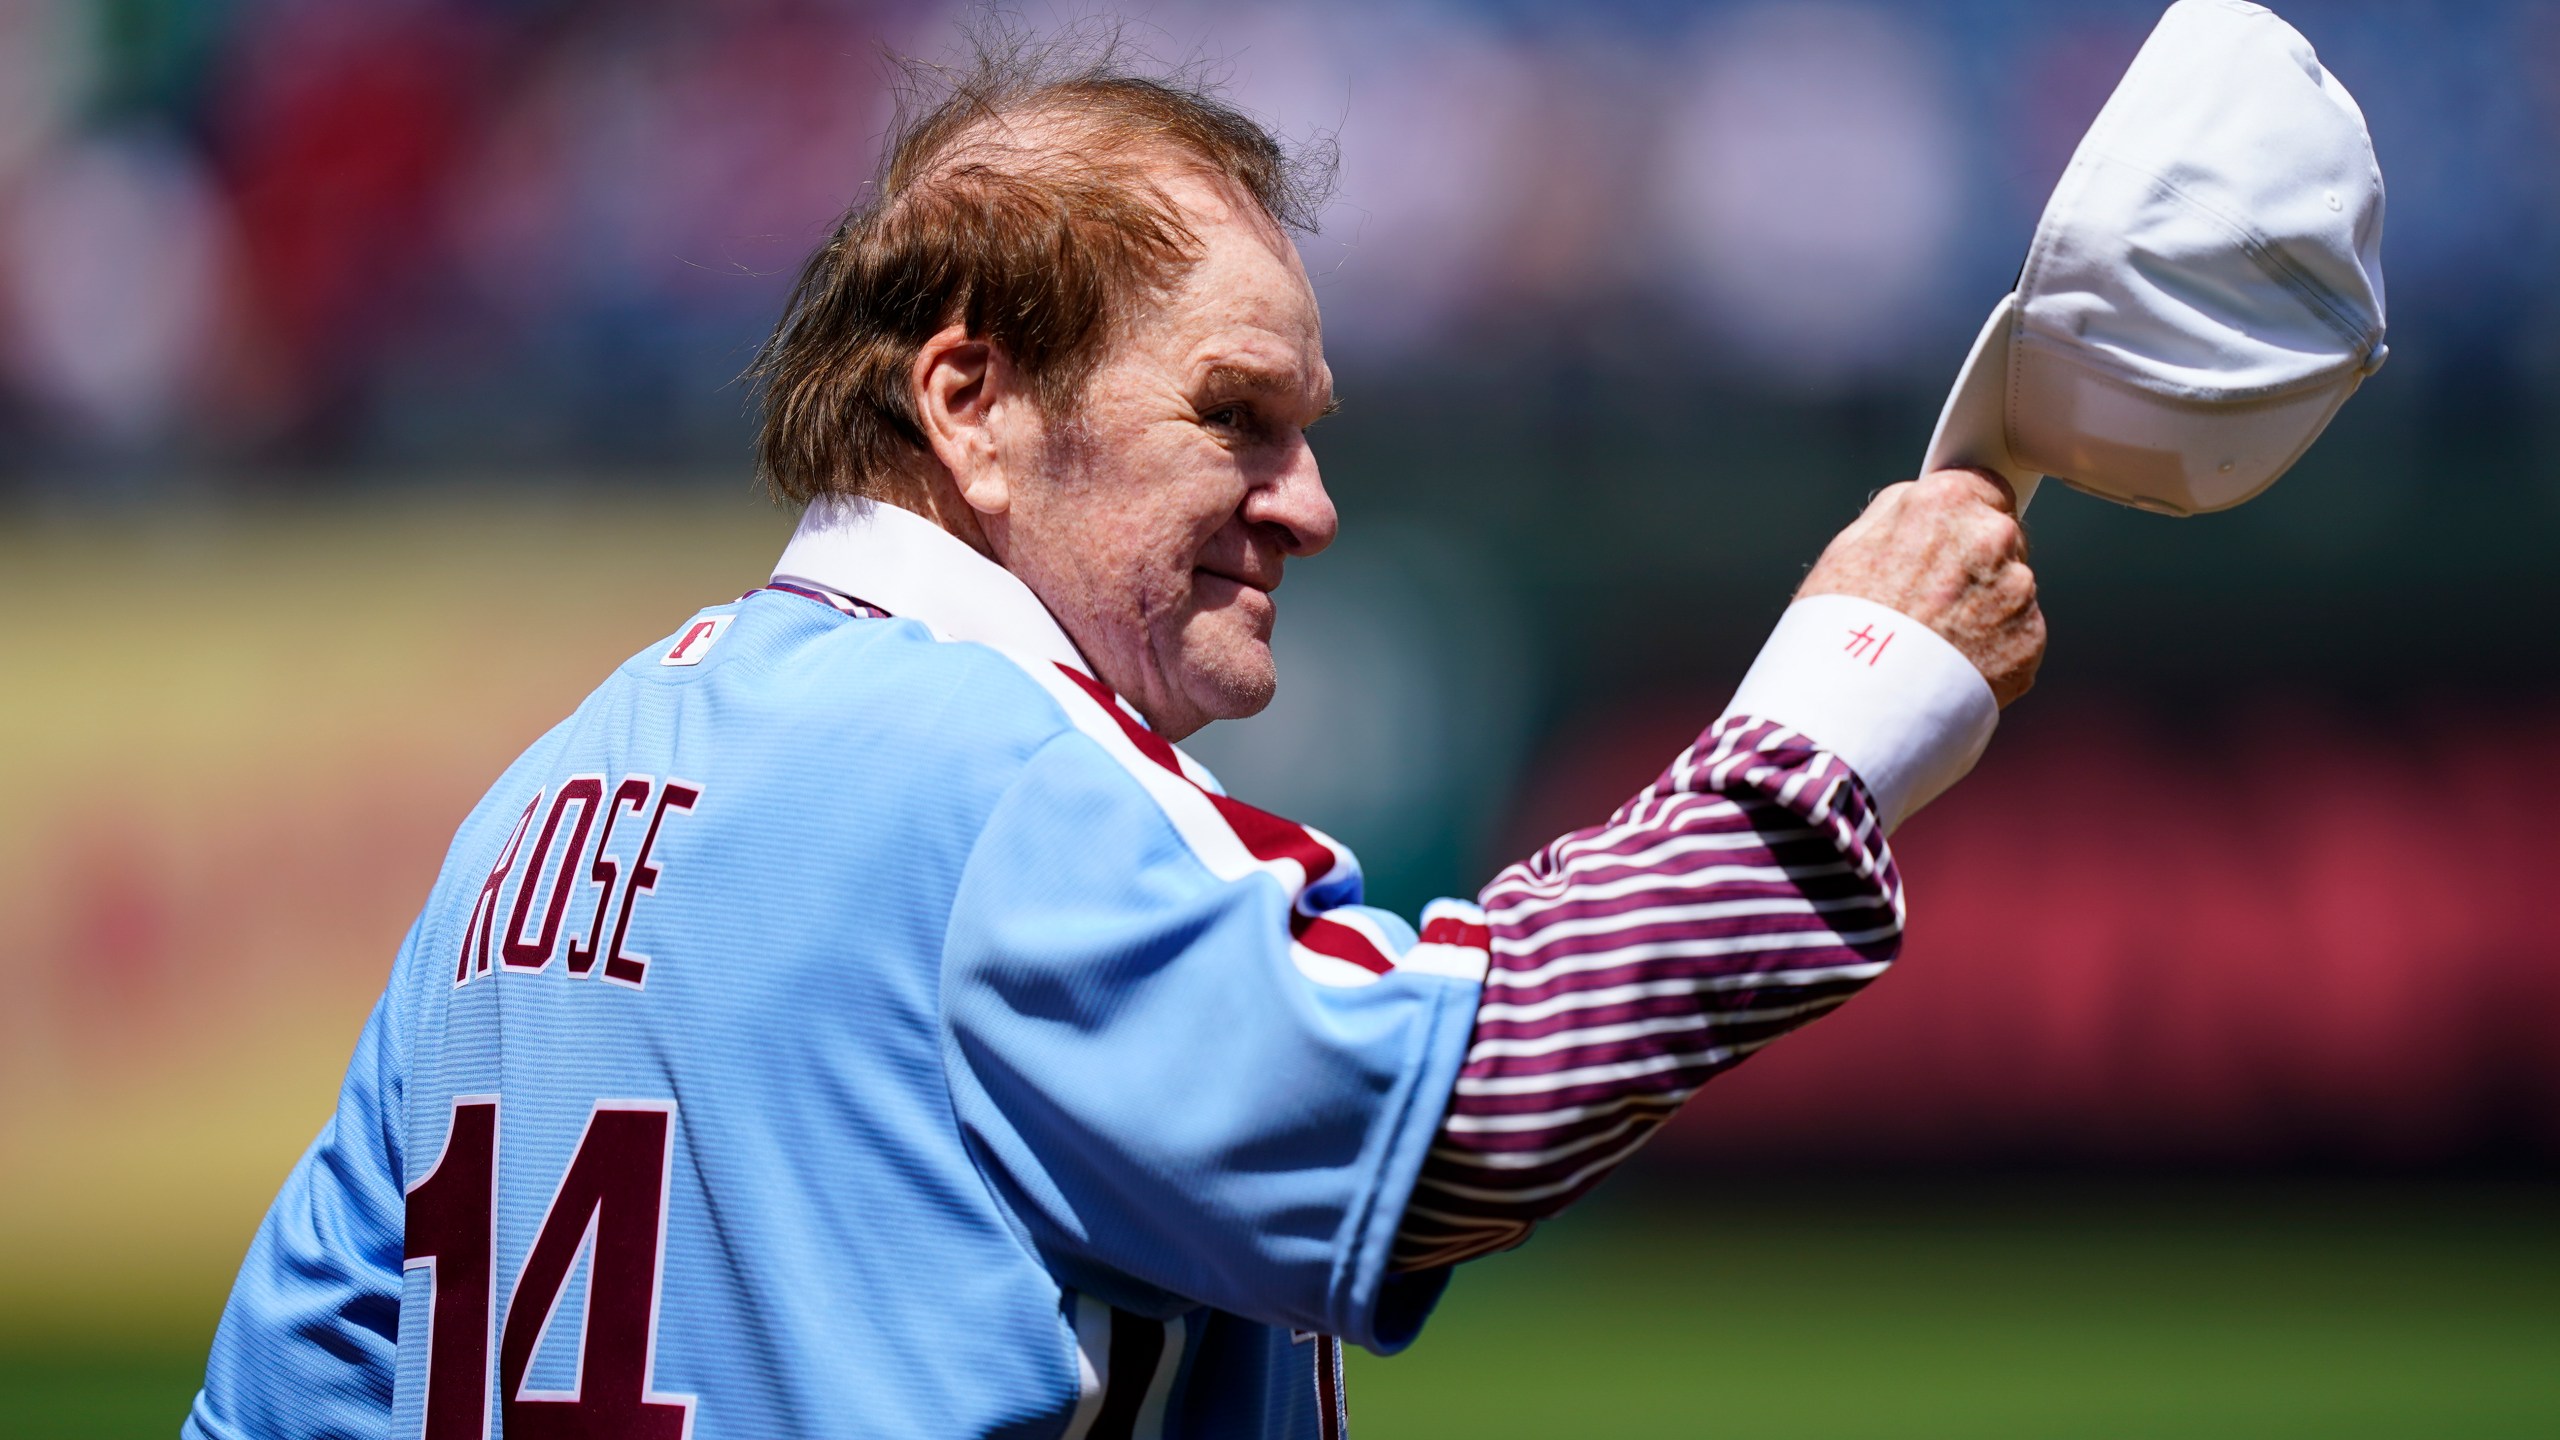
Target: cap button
2374	358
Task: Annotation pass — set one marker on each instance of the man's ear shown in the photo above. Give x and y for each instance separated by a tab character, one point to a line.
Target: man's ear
962	388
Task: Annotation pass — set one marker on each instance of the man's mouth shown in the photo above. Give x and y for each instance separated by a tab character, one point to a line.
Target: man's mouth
1265	584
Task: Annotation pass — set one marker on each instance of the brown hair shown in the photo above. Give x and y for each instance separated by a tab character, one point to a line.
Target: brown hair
1034	243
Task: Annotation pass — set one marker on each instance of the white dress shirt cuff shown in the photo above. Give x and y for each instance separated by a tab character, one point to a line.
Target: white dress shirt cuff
1885	693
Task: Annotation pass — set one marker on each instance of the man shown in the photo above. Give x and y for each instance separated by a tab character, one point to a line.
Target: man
859	1019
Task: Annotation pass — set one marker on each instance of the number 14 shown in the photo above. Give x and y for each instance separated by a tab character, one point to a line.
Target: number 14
613	1194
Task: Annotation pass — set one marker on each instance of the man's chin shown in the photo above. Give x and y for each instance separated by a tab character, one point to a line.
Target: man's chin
1235	685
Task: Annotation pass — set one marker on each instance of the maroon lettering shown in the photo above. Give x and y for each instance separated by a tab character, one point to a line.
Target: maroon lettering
484	908
633	793
525	947
616	1191
620	965
612	1203
521	952
450	1220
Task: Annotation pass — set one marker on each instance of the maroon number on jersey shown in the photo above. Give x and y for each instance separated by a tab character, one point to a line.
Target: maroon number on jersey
613	1198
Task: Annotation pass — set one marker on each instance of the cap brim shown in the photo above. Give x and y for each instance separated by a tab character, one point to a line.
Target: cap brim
1973	429
2110	438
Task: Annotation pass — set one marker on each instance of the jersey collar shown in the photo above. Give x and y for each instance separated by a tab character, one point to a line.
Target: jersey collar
914	569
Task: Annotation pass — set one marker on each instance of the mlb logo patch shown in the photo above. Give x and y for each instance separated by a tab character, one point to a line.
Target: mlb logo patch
696	640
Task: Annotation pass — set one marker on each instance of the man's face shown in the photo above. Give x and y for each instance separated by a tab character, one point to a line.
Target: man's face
1154	520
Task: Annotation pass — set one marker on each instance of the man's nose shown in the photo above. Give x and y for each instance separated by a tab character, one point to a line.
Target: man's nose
1294	503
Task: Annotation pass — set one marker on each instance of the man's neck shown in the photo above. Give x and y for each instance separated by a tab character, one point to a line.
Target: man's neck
898	559
935	498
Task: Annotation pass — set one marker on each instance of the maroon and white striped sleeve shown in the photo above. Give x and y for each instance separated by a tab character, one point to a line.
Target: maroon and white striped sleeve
1747	891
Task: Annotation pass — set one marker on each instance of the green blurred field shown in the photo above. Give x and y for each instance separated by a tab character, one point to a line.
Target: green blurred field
2037	1309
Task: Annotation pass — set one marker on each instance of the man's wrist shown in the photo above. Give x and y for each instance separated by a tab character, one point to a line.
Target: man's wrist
1891	697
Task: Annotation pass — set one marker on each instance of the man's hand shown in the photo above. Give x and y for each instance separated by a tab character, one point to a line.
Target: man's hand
1946	550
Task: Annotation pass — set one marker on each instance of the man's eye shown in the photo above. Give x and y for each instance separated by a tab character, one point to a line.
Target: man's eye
1228	417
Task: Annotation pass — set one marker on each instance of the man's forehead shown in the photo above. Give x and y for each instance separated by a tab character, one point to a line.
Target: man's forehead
1242	321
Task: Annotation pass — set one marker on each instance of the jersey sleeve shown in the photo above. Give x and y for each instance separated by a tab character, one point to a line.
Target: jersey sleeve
306	1342
1745	893
1194	1068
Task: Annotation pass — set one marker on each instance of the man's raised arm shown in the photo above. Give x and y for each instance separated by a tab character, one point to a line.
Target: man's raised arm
1749	889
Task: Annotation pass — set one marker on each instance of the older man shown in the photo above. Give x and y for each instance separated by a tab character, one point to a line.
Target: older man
858	1018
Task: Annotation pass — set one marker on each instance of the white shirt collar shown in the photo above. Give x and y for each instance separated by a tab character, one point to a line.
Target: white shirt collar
914	569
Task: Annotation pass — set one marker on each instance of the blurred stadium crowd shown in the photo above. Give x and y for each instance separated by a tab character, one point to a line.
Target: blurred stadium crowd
419	234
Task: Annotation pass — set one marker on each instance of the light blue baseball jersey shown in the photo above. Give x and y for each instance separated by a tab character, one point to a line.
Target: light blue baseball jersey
840	1027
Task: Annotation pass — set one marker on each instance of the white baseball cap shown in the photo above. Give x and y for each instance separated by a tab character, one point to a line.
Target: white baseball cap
2205	288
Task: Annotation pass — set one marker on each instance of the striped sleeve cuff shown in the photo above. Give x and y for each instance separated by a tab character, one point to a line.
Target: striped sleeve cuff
1888	695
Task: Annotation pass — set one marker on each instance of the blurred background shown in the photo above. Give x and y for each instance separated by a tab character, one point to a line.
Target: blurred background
367	389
